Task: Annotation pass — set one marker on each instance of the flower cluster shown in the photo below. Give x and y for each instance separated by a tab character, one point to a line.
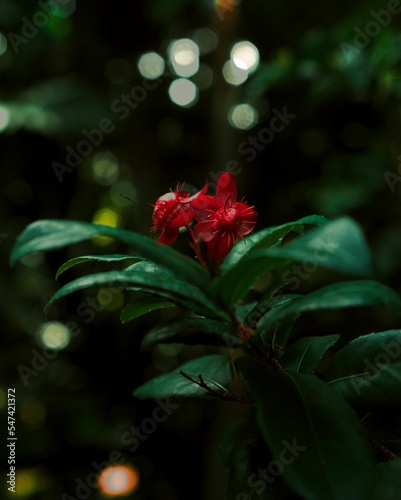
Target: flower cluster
221	219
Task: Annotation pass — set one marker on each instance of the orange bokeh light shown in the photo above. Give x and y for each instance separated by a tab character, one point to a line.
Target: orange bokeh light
118	480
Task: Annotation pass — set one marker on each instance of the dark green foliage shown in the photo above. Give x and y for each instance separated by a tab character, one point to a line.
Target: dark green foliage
304	435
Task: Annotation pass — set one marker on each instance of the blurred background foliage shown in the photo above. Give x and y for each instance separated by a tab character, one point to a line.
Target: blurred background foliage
182	102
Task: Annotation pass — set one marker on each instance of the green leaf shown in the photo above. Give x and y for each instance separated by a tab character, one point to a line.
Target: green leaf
244	428
244	452
182	294
267	238
97	258
387	481
336	296
305	354
338	245
312	432
234	285
46	235
143	305
150	267
243	310
192	331
215	369
265	305
367	371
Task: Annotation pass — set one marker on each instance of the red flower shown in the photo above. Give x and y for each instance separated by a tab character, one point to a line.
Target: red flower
172	211
222	219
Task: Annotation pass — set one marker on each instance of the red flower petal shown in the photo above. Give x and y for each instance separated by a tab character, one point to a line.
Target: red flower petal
204	206
226	189
220	246
248	216
199	193
168	236
172	211
206	230
184	216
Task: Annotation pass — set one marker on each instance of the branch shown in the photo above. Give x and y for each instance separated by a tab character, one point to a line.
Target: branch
224	396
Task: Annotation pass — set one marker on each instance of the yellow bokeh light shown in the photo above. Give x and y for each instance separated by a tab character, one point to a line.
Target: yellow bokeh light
245	56
107	217
32	411
119	480
54	335
105	168
30	481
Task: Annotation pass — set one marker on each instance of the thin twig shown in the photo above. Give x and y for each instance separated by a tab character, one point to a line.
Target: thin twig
224	396
383	453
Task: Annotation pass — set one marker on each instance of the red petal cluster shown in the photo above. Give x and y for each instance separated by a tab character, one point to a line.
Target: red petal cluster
172	211
221	219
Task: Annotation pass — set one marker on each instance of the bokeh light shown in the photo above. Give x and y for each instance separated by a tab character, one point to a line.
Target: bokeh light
245	55
107	217
206	39
31	481
32	411
4	118
105	168
183	92
234	75
119	480
243	116
204	77
151	65
184	57
63	9
120	188
54	335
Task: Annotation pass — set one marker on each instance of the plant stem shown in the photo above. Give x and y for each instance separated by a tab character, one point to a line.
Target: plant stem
383	453
196	247
225	396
